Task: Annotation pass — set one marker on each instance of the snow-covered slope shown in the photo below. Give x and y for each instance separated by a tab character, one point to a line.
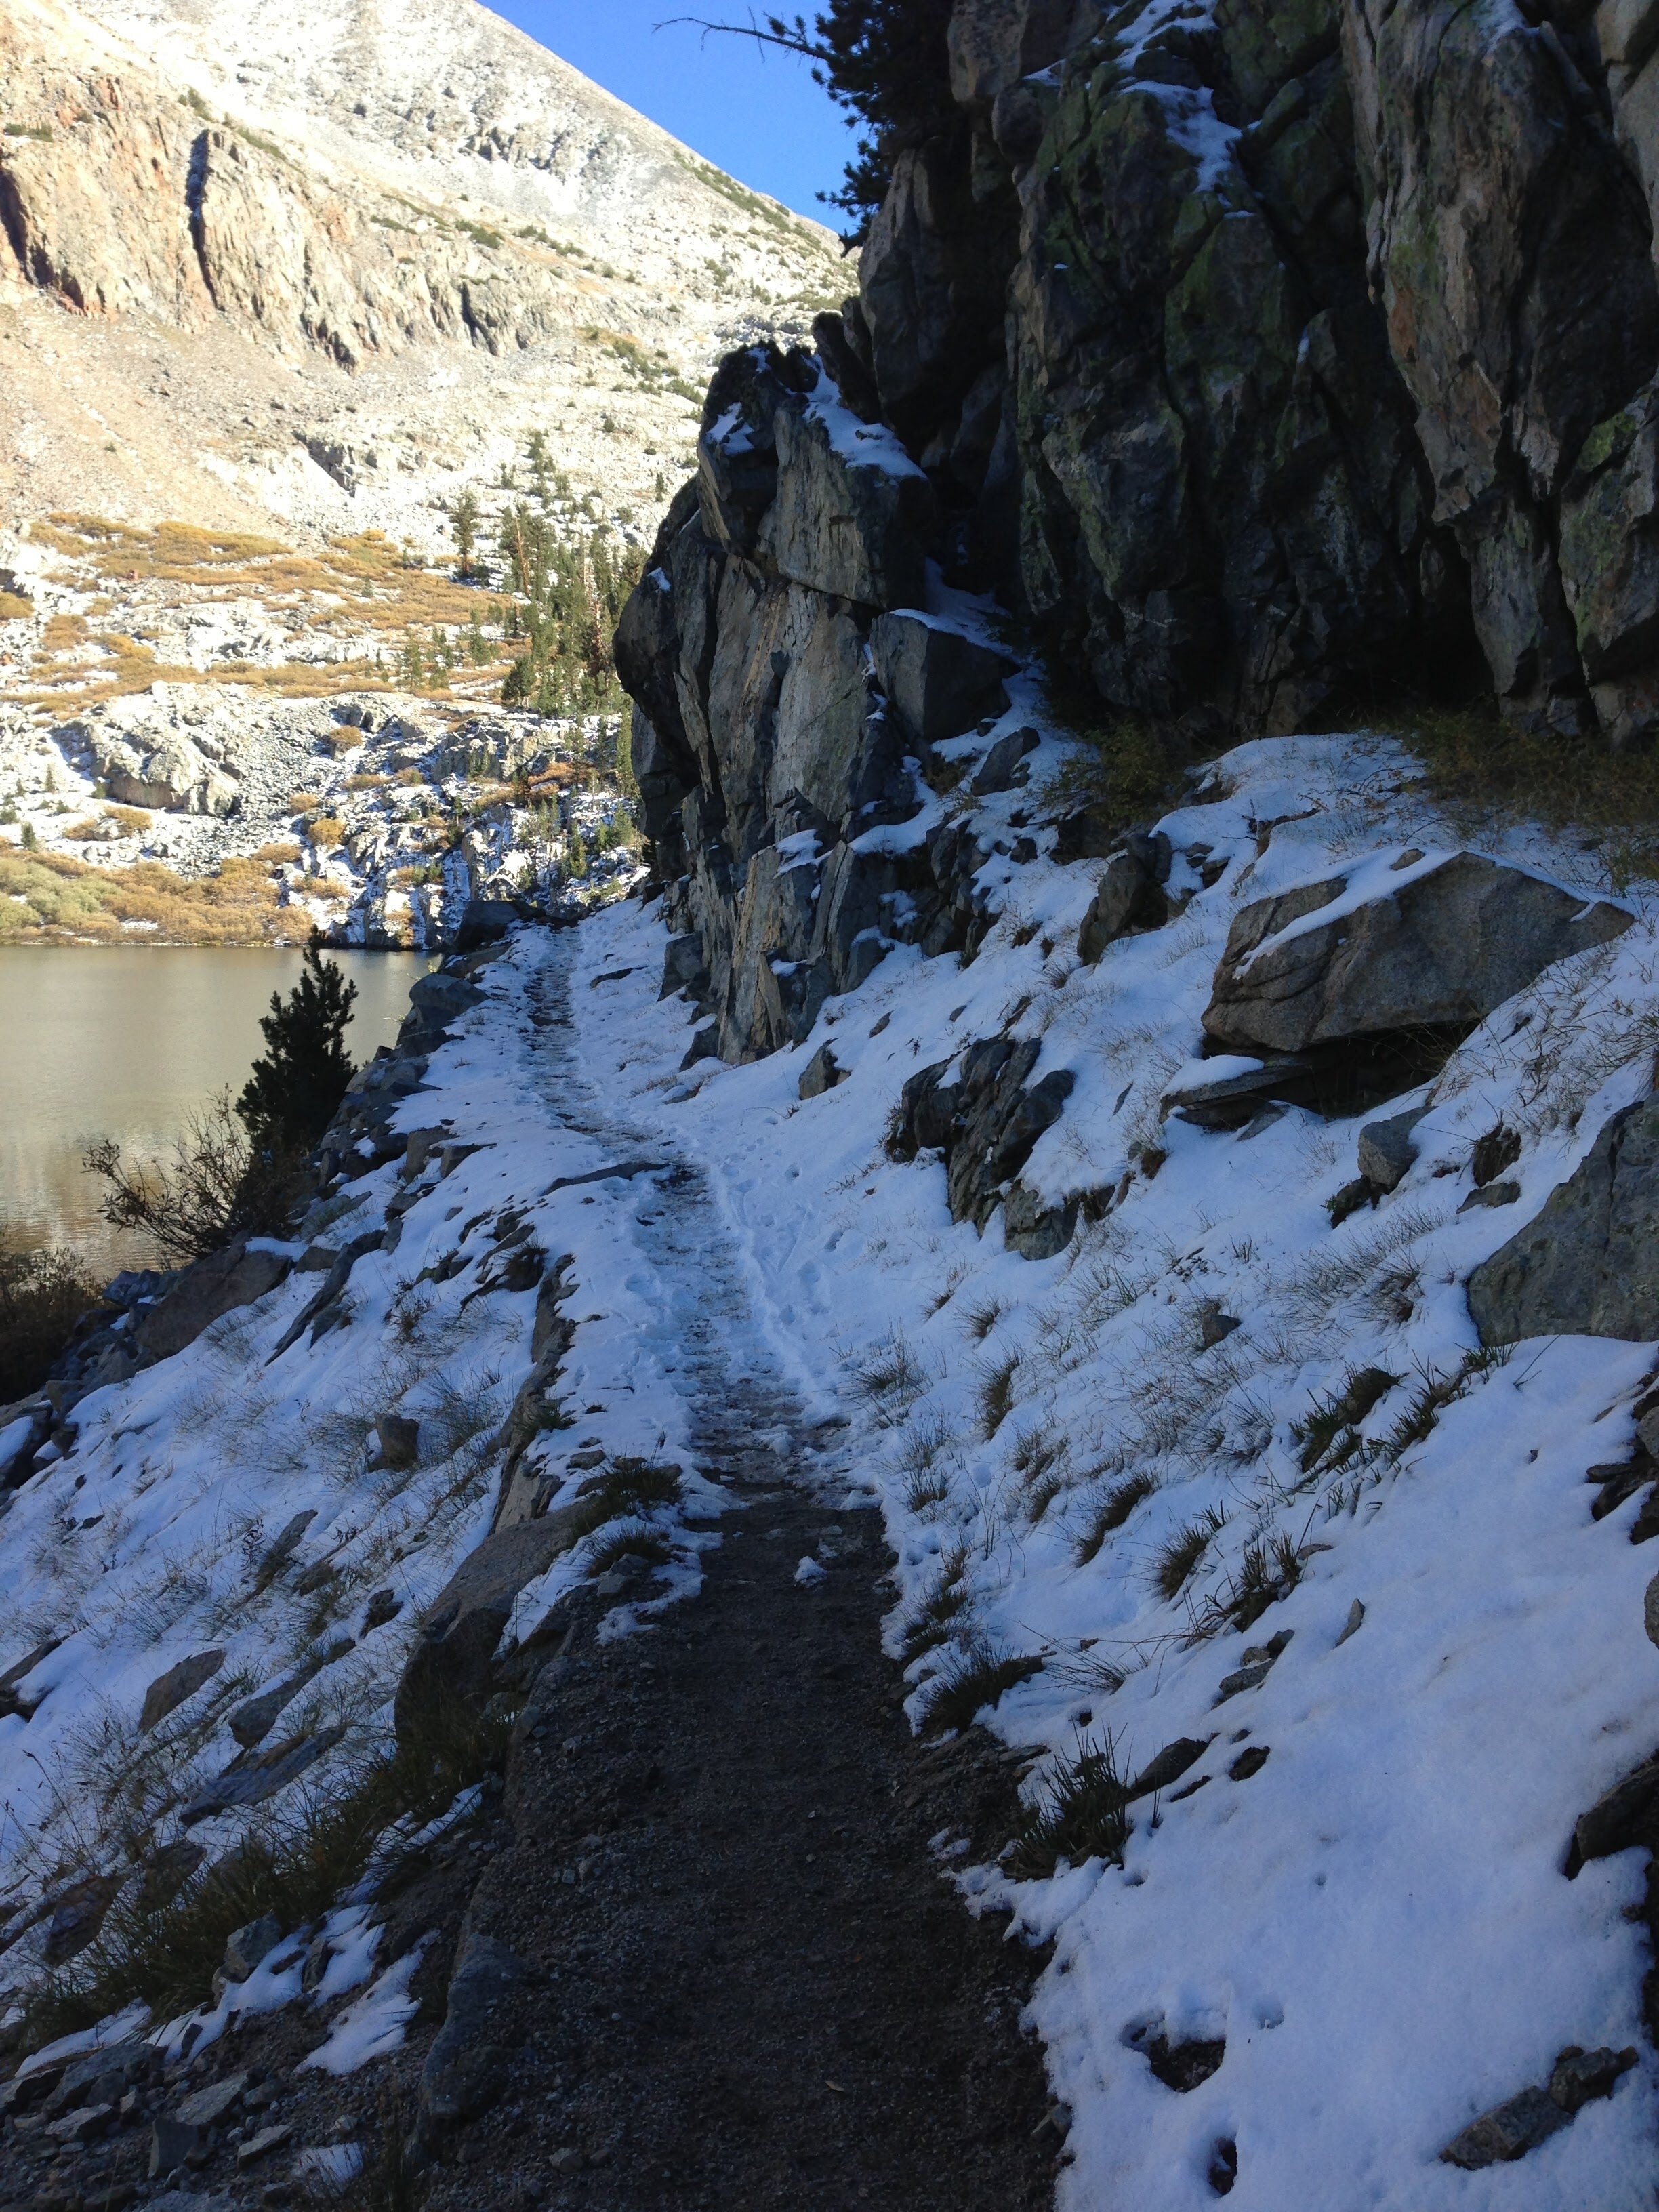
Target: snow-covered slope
1352	1904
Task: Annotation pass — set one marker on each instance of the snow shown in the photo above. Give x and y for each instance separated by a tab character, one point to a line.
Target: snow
1376	1920
861	445
327	2168
372	2027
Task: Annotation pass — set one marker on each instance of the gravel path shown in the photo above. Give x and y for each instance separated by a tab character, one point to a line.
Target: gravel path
751	1984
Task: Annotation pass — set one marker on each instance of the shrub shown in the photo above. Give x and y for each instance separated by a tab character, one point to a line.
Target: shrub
1084	1817
218	1186
1178	1559
43	1295
981	1675
163	1952
295	1089
1112	1510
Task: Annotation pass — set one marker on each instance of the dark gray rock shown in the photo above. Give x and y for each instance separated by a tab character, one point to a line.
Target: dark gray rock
466	2068
1169	1765
1259	1662
443	998
212	2107
170	1690
1579	2076
202	1294
1228	1102
1127	896
287	1542
256	1777
485	921
737	446
1509	2131
684	968
820	1074
852	529
1492	1194
1621	1818
249	1945
171	2143
1033	1230
1001	769
1387	1153
1587	1264
399	1440
986	1123
103	2077
1438	953
938	683
464	1624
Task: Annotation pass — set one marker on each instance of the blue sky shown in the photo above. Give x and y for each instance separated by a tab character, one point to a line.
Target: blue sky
759	116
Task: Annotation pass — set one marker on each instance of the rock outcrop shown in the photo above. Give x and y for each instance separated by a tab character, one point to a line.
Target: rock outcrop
1455	939
1262	362
1587	1265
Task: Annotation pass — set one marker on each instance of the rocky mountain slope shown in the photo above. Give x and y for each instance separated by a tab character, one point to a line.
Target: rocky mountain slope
437	206
261	333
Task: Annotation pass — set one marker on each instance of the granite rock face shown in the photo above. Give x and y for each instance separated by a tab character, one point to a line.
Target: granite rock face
1587	1264
1259	363
1263	358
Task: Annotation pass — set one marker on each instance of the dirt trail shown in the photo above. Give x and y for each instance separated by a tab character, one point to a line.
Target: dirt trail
752	1986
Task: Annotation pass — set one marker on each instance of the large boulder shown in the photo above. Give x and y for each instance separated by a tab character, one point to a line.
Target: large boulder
462	1627
938	682
853	513
212	1287
1438	952
985	1121
1588	1265
171	774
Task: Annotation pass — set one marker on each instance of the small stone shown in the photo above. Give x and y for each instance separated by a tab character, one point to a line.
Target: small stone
1387	1153
261	2145
84	2125
179	1682
1214	1327
1491	1194
565	2161
612	1584
1650	1610
1621	1818
1579	2076
171	2140
384	1604
399	1440
820	1074
1509	2131
1248	1763
244	1949
1354	1622
212	2106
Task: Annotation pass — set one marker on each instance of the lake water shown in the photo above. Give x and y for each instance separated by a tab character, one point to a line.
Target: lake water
130	1042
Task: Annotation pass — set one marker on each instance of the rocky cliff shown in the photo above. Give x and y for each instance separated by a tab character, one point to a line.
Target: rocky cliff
1269	363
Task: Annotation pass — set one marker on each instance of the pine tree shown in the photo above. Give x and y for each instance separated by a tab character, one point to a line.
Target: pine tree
464	522
887	62
296	1087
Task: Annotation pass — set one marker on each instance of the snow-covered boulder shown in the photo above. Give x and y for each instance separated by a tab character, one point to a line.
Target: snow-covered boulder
1410	943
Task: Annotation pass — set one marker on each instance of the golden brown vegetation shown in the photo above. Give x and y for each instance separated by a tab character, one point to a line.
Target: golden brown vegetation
50	894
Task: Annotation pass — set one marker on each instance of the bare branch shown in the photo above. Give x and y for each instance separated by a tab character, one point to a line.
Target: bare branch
791	42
